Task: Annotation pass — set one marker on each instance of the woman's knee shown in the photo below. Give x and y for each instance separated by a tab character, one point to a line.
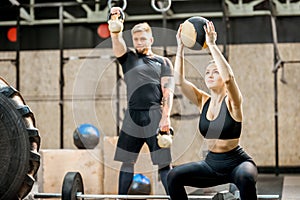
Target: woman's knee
246	174
246	178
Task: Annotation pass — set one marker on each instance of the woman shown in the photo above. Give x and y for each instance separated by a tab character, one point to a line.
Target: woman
220	124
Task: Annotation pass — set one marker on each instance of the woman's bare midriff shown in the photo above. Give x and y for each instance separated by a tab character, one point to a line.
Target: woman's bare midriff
222	146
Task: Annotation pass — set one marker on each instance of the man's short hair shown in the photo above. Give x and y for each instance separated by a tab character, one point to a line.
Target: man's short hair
141	27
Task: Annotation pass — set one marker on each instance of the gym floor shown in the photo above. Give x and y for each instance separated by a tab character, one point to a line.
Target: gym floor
286	186
290	187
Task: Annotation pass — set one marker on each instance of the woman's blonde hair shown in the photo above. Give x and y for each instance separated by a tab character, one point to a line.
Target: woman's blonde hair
141	27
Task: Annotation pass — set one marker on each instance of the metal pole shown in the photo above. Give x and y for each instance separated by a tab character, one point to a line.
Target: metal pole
61	78
164	24
118	77
227	27
277	63
276	120
18	47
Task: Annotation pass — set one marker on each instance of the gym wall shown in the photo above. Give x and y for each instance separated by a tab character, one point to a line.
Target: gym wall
90	97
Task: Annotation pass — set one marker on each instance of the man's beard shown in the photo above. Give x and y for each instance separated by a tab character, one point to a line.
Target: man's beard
142	51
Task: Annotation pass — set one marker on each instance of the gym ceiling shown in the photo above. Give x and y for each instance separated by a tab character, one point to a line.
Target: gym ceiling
246	18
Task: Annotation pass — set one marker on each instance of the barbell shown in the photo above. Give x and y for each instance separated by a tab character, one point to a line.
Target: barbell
73	189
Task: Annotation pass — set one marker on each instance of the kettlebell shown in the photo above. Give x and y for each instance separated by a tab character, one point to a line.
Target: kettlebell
165	139
115	20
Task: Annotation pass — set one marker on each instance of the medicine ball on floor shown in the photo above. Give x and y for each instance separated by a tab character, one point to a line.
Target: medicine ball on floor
86	136
140	185
193	33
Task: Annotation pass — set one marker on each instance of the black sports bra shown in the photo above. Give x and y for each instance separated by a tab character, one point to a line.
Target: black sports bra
223	127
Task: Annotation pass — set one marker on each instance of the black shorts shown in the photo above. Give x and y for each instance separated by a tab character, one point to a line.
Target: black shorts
140	127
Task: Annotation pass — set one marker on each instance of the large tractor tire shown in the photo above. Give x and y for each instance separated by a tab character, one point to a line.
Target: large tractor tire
19	145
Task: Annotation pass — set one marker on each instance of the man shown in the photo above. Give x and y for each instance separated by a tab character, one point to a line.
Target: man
150	87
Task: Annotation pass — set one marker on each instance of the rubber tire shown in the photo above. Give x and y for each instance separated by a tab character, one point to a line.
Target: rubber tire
19	146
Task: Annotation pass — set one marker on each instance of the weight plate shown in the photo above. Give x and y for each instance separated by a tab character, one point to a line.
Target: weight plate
72	184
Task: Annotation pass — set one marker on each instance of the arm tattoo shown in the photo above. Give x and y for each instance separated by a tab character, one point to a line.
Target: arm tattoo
165	100
168	88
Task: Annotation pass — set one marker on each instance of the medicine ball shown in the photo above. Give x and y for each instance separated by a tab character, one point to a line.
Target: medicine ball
86	136
140	185
193	33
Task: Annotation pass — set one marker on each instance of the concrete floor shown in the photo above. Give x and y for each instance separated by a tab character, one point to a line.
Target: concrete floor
291	187
286	186
269	184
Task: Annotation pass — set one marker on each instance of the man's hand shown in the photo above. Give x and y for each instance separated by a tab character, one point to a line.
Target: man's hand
165	124
116	19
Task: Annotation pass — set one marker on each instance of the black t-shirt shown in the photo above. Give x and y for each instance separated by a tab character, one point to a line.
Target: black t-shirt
142	75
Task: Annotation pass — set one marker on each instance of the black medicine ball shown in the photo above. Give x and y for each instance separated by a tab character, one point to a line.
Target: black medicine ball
86	136
193	33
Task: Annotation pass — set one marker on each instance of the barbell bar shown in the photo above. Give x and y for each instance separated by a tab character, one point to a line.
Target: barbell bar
107	196
73	189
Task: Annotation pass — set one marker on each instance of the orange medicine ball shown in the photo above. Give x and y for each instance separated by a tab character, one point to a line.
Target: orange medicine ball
193	33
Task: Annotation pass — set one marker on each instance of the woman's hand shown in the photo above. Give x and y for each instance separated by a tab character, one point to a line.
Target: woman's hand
178	37
211	34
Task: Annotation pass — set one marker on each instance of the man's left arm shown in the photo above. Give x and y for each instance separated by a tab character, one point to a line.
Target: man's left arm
168	87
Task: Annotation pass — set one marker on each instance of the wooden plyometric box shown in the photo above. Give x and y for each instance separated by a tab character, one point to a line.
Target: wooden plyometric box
55	163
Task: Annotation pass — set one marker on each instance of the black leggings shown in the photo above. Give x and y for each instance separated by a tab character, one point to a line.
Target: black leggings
218	168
